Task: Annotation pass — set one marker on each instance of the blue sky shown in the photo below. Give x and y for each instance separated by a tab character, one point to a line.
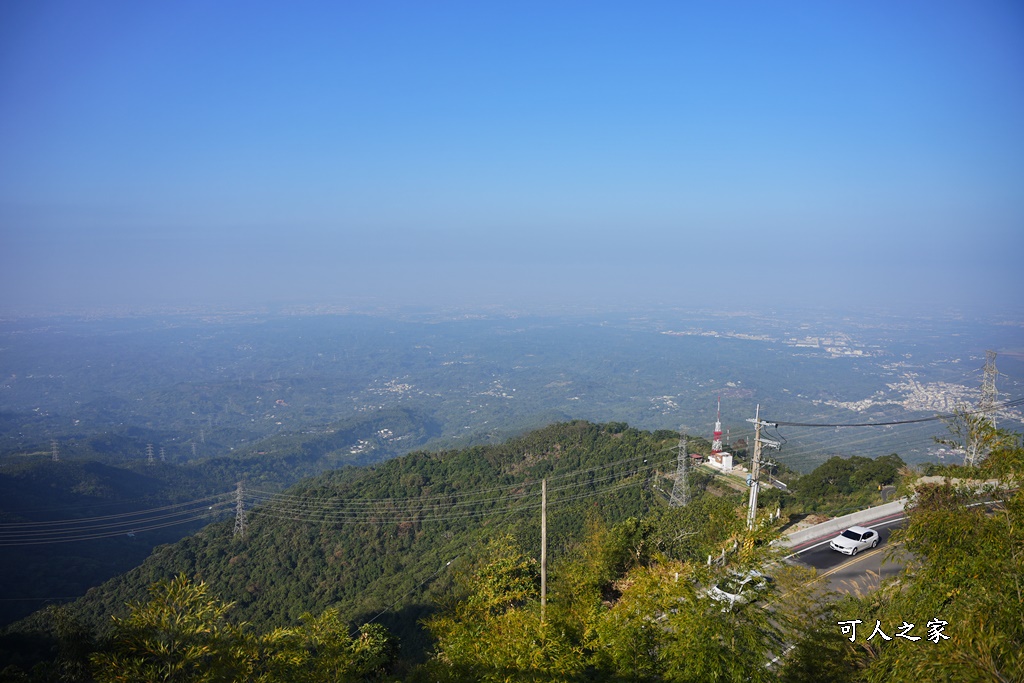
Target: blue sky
678	153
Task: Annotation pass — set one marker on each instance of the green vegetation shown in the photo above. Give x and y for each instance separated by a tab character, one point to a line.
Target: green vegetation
435	579
182	633
841	485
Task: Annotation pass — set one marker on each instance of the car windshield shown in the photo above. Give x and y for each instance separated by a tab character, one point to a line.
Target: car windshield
852	535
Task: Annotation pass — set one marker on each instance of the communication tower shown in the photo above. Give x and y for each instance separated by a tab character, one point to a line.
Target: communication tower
719	459
716	443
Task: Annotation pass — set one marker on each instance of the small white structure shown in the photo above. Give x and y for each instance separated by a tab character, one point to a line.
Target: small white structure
721	461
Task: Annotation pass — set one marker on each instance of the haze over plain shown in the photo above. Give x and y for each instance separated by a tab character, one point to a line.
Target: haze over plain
529	154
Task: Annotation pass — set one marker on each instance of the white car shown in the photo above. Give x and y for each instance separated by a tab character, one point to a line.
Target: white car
854	539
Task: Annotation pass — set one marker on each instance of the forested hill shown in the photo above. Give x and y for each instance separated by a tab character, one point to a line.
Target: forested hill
379	539
76	523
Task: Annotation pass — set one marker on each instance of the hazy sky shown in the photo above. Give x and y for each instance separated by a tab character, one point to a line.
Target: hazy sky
686	153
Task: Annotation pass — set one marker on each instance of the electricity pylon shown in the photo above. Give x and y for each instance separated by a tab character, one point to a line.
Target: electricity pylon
989	396
240	522
681	489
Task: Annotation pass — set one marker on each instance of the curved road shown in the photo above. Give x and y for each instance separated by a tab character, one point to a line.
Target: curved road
860	573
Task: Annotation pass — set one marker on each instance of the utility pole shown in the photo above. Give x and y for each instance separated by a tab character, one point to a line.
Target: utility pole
681	489
755	467
149	454
240	524
54	451
543	547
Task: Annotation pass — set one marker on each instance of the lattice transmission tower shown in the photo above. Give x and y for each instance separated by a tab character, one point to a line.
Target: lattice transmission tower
240	522
681	489
989	395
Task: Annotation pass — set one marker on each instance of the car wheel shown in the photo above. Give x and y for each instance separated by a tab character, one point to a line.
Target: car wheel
854	552
874	543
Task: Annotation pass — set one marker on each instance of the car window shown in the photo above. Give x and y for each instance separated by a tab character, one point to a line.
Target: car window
853	536
869	534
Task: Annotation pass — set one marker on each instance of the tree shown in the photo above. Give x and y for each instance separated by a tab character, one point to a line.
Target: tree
181	634
321	649
973	434
495	633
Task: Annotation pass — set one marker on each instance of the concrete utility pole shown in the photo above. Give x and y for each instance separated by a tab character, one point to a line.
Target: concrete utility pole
755	466
543	547
681	489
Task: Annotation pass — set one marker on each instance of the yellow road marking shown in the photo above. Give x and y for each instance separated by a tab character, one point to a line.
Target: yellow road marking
853	560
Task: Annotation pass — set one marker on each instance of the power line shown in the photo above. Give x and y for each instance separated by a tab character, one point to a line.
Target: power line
934	418
131	530
109	526
327	515
121	515
466	493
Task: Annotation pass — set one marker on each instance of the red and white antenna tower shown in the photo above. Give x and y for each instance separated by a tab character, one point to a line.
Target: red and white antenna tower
716	443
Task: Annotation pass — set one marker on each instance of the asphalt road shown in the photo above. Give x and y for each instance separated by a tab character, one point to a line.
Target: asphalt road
862	572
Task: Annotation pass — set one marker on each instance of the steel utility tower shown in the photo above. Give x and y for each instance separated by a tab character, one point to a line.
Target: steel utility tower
240	523
989	396
681	489
54	451
149	453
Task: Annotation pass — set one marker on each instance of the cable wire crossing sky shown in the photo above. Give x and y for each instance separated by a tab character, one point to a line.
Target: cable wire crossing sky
175	153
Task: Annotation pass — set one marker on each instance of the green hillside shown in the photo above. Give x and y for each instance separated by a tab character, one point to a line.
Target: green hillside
379	539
